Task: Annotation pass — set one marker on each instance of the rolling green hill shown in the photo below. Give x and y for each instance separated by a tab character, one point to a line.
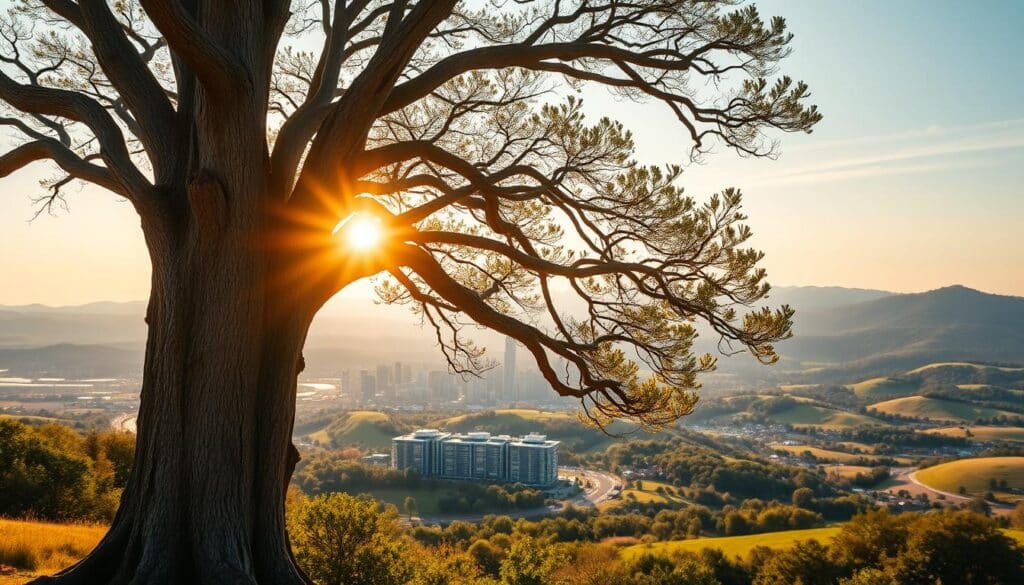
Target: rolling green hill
740	546
937	409
804	415
884	388
560	426
983	433
360	428
734	546
974	474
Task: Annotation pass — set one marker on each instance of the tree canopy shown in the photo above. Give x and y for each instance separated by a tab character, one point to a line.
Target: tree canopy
456	128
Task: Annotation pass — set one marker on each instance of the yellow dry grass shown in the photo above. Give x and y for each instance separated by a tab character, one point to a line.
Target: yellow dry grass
44	547
829	455
937	409
734	546
983	433
847	471
974	475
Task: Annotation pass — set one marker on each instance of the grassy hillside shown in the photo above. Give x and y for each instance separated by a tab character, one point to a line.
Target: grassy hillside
983	433
827	455
646	493
847	471
368	429
803	415
937	409
513	416
559	425
974	474
740	546
883	388
44	548
734	545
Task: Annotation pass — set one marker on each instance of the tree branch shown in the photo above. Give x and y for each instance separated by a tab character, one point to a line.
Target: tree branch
79	108
216	68
50	149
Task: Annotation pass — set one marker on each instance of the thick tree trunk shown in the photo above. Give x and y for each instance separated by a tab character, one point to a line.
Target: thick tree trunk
205	503
214	455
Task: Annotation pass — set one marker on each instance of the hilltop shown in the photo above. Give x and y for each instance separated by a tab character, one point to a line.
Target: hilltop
904	331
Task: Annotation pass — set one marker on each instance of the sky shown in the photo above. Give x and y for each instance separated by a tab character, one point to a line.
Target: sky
914	180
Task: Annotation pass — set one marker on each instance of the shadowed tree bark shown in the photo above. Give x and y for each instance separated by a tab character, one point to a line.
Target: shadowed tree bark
253	138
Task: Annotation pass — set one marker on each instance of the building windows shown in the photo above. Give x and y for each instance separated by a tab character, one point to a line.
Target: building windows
531	459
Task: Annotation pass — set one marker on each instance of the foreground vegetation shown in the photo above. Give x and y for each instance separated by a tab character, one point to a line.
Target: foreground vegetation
52	472
339	538
44	547
698	510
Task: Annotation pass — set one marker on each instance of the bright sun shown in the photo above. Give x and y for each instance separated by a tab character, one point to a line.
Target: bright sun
361	232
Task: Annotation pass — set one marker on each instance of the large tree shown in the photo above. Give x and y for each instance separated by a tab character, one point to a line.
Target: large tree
264	143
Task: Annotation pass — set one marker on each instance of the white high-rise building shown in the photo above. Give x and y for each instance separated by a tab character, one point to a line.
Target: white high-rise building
532	460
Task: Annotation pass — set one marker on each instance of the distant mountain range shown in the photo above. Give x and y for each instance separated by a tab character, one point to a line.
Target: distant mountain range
841	334
899	332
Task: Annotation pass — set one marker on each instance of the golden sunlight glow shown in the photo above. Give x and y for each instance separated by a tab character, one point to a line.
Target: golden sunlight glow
360	232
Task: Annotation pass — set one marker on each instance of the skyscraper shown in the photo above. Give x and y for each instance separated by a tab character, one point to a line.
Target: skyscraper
367	385
509	370
384	384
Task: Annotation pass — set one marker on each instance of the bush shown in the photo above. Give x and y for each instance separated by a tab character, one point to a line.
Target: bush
339	539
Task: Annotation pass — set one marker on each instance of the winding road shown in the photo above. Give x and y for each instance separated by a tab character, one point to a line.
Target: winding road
602	484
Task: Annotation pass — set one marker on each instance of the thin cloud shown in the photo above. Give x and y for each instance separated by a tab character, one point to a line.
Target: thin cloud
961	141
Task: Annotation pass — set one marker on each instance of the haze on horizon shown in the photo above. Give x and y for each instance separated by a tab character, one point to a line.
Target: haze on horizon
910	183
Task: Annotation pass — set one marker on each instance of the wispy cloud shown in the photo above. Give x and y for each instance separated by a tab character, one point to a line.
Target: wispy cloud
883	155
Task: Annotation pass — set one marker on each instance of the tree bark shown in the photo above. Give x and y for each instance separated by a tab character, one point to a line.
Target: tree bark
205	502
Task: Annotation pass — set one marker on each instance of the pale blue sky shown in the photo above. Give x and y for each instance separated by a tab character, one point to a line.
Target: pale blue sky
912	181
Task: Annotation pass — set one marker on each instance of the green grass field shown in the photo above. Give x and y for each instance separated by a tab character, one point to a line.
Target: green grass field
740	546
937	409
974	474
649	494
563	426
734	545
804	415
883	388
826	454
359	427
511	415
846	471
983	433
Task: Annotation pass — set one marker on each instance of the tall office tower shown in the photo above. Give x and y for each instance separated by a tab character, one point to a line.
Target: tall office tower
398	380
406	374
347	387
509	370
384	383
367	385
435	383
